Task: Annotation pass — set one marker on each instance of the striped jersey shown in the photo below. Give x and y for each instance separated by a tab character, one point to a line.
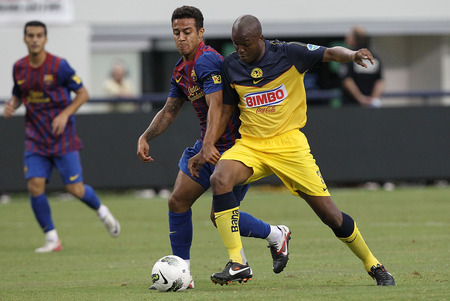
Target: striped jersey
192	80
270	93
45	92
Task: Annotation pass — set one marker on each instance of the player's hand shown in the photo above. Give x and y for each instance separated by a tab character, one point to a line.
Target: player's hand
210	154
59	124
143	149
195	164
361	55
9	109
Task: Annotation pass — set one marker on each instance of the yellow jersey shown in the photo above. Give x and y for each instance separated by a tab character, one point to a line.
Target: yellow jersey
270	93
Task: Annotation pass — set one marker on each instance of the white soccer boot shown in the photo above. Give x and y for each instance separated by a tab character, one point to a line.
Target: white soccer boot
50	246
280	251
111	223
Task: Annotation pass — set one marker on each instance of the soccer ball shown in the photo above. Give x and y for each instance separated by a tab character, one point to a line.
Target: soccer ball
171	274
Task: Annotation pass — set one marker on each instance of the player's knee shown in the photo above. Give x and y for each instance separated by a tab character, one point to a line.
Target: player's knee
332	219
36	186
218	182
77	190
178	204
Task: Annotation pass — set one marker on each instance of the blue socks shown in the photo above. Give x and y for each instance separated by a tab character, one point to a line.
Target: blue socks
42	212
250	226
90	198
181	233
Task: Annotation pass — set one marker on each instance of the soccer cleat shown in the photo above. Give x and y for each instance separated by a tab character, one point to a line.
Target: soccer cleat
381	276
50	246
111	223
233	272
279	250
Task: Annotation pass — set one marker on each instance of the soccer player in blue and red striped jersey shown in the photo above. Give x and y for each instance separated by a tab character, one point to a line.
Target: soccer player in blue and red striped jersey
197	79
43	83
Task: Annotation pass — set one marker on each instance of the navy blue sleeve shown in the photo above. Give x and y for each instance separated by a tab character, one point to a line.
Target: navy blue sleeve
305	56
230	96
67	77
175	91
16	89
208	69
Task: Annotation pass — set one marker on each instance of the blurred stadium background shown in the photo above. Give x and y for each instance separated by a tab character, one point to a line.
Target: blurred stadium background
404	141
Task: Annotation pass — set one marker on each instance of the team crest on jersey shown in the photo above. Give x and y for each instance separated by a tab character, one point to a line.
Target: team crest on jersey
48	79
312	47
194	93
217	79
76	79
256	73
266	98
193	75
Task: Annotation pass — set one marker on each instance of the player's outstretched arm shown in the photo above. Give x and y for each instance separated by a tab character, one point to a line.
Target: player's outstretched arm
344	55
162	120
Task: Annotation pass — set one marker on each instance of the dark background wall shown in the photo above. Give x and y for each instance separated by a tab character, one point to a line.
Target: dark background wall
349	144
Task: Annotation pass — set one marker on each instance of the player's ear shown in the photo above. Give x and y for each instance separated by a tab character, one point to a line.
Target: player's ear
201	31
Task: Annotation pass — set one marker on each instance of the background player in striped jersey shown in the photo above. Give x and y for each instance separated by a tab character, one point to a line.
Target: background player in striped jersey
197	79
43	82
264	79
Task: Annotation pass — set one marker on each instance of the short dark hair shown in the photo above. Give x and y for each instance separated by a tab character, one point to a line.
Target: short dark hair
187	12
35	23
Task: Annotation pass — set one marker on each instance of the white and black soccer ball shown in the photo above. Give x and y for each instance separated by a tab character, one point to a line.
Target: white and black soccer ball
171	274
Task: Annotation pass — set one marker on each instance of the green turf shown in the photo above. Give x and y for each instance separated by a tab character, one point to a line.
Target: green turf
407	229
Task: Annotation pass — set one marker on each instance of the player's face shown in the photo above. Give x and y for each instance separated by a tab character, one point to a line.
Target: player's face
249	47
35	39
186	37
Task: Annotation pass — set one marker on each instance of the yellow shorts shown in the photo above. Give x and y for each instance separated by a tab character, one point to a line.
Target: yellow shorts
287	155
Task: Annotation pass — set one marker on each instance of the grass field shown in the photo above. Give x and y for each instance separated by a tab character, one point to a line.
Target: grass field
407	229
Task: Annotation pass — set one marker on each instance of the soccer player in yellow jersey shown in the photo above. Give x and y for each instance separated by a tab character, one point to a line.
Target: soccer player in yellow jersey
265	80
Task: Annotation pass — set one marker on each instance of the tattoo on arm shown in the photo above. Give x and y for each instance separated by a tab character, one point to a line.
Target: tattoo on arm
164	118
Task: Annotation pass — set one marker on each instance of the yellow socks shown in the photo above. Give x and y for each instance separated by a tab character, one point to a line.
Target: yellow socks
227	222
358	246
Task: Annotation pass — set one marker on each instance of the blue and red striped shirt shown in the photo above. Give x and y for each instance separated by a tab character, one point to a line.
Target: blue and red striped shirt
193	80
45	92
